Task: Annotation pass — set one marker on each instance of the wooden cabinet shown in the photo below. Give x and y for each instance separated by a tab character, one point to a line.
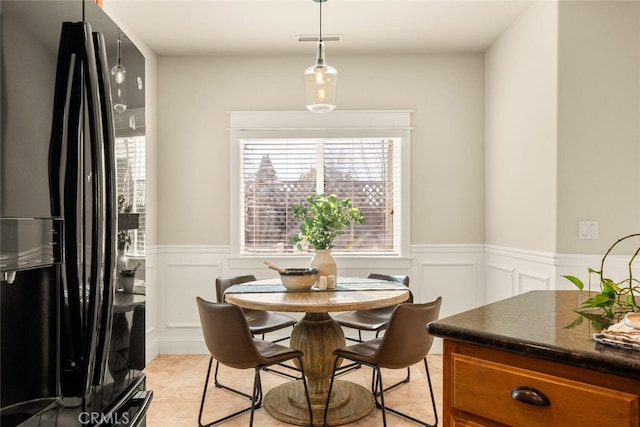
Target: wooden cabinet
483	386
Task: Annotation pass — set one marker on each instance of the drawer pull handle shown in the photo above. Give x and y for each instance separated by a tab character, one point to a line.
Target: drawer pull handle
530	396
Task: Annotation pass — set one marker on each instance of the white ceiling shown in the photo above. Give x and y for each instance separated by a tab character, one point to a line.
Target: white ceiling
250	27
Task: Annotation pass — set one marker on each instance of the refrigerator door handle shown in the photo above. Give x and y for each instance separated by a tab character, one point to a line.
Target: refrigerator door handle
97	191
110	214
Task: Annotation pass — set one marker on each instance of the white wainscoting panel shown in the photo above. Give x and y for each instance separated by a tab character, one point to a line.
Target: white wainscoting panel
530	281
466	276
183	274
512	271
185	282
455	272
499	282
455	282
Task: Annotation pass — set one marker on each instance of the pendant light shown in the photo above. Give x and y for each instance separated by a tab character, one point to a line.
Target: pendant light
320	79
119	76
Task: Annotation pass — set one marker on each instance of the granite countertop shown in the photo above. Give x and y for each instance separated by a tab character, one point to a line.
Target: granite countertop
535	324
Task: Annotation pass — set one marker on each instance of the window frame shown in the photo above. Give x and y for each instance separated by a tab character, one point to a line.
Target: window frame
303	124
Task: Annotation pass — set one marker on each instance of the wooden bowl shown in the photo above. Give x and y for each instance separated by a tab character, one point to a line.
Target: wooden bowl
297	279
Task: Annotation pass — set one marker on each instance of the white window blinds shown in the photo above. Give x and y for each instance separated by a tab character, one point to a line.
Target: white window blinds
276	174
130	168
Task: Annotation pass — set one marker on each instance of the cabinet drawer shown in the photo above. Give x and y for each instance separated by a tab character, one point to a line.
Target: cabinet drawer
485	388
462	422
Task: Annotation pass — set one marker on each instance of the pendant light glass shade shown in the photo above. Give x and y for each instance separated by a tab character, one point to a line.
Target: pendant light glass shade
320	79
320	84
119	75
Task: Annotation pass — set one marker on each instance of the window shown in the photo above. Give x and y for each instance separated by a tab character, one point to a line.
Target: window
279	167
130	168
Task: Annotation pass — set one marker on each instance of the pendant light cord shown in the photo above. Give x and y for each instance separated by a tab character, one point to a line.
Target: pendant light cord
119	58
320	36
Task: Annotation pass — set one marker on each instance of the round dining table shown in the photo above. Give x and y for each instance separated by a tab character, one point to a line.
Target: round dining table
318	335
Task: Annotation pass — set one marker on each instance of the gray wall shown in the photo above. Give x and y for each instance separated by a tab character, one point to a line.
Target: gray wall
598	122
446	93
563	127
521	132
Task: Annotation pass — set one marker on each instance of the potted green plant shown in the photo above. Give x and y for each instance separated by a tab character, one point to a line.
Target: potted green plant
323	218
614	299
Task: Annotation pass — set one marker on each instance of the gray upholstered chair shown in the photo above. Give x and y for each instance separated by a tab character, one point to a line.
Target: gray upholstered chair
374	320
405	342
260	323
230	342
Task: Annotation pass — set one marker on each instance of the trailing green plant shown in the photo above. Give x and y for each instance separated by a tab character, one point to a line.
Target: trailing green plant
615	299
323	219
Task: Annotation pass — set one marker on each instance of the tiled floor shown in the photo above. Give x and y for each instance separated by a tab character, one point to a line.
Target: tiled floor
177	381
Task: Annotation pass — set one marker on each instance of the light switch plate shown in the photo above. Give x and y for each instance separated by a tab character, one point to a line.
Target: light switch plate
587	230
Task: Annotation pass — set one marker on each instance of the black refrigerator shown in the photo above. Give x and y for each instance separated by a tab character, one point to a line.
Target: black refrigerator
71	346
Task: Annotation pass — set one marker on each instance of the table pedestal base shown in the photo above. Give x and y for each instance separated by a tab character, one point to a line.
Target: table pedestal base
318	335
349	402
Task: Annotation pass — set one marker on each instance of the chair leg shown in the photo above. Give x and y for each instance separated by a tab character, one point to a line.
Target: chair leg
354	365
204	392
220	385
235	414
284	365
433	399
378	386
306	392
256	397
285	374
404	381
348	368
378	394
326	405
359	339
380	404
257	393
258	390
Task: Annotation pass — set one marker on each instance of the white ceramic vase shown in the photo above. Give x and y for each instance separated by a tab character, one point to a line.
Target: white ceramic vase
325	263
